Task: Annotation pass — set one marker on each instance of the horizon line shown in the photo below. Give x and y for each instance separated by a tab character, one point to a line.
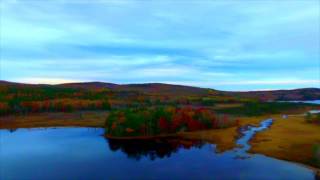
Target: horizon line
123	84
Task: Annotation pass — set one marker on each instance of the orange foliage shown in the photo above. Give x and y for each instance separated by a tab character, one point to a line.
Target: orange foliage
129	130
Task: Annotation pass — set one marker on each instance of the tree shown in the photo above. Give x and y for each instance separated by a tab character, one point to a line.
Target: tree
4	108
194	125
308	117
318	118
163	125
106	105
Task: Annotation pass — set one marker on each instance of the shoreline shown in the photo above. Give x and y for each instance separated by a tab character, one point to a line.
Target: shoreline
142	137
313	168
290	139
224	139
182	136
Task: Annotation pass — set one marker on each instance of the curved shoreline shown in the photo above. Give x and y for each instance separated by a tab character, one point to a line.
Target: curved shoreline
315	169
141	137
285	133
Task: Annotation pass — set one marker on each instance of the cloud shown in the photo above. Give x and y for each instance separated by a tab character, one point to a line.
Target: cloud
37	80
217	44
273	82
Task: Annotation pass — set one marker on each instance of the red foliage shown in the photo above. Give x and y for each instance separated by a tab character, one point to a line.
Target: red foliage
194	125
143	129
163	124
177	121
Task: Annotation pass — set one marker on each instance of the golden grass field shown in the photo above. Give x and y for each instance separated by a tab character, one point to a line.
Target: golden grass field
290	139
225	139
59	119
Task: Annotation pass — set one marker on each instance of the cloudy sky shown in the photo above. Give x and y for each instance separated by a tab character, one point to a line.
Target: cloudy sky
227	45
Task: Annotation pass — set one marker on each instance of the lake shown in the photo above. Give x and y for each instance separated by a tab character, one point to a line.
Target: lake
315	111
309	102
83	153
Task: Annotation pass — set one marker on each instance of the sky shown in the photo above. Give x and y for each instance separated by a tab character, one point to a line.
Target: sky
226	45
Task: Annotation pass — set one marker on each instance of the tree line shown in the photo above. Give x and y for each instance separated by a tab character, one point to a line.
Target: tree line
164	120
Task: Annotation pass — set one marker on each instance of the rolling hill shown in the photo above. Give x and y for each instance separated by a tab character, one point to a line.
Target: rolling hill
176	90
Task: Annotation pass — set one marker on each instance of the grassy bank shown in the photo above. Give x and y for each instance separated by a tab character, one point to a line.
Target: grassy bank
57	119
290	139
225	139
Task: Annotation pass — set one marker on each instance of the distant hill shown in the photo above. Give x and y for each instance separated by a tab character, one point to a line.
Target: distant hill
14	84
175	90
89	85
165	89
281	95
148	88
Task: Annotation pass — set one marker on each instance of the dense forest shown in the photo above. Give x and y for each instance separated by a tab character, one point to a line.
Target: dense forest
44	98
142	110
164	120
24	98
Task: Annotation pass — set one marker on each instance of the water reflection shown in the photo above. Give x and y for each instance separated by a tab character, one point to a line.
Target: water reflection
317	175
82	153
165	147
152	148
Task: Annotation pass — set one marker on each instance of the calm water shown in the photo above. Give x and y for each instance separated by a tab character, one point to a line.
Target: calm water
83	153
310	102
313	101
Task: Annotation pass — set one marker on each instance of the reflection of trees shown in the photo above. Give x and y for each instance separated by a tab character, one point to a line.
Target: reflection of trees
317	175
151	148
12	130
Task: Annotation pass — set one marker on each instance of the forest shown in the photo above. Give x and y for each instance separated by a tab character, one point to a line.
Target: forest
33	99
142	110
164	120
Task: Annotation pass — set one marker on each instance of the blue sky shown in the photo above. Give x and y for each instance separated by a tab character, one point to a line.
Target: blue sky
226	45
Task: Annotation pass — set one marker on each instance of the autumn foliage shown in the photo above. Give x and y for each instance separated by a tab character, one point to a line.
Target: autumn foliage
164	120
22	100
